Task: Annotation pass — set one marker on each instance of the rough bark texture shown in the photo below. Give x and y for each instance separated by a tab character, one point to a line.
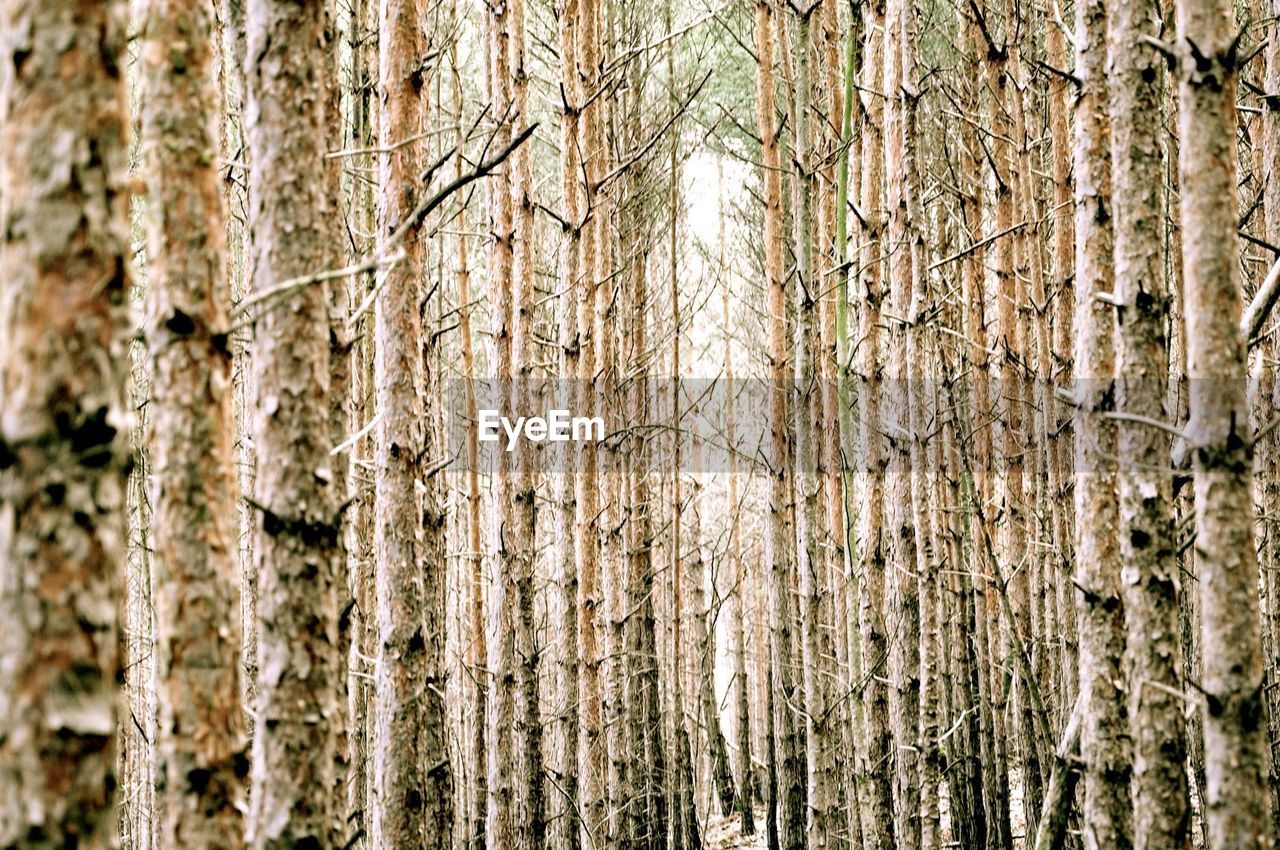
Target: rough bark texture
63	454
1236	808
196	575
1106	808
296	498
1149	572
412	797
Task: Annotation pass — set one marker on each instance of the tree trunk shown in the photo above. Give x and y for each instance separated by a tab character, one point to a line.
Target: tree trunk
296	494
738	570
874	774
790	797
595	262
567	817
1149	574
196	582
64	462
1106	808
412	782
822	737
903	590
1236	807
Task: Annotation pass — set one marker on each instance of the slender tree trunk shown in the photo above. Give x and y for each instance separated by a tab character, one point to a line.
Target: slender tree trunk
738	569
412	783
595	261
1236	807
1105	808
1267	455
477	653
567	822
818	652
503	820
874	774
531	785
920	390
63	460
903	592
362	217
196	580
995	778
790	796
1060	373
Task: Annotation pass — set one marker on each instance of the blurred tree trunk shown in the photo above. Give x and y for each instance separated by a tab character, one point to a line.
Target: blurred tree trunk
196	583
64	462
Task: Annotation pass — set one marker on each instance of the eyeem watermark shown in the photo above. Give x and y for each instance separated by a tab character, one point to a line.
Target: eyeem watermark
556	427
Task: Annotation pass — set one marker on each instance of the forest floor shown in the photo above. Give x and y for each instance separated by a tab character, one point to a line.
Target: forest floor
725	833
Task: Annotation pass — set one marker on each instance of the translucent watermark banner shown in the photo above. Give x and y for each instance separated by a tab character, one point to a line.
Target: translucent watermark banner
750	425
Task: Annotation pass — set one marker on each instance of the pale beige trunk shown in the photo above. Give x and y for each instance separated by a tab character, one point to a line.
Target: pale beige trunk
594	263
1059	371
506	823
738	569
566	814
900	527
822	729
523	534
995	778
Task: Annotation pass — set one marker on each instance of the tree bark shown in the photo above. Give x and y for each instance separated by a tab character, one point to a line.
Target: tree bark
822	737
875	759
1149	571
64	461
196	582
1106	808
296	498
412	779
1236	807
790	796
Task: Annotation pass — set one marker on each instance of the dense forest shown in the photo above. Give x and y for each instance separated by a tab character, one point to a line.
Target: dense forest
640	424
